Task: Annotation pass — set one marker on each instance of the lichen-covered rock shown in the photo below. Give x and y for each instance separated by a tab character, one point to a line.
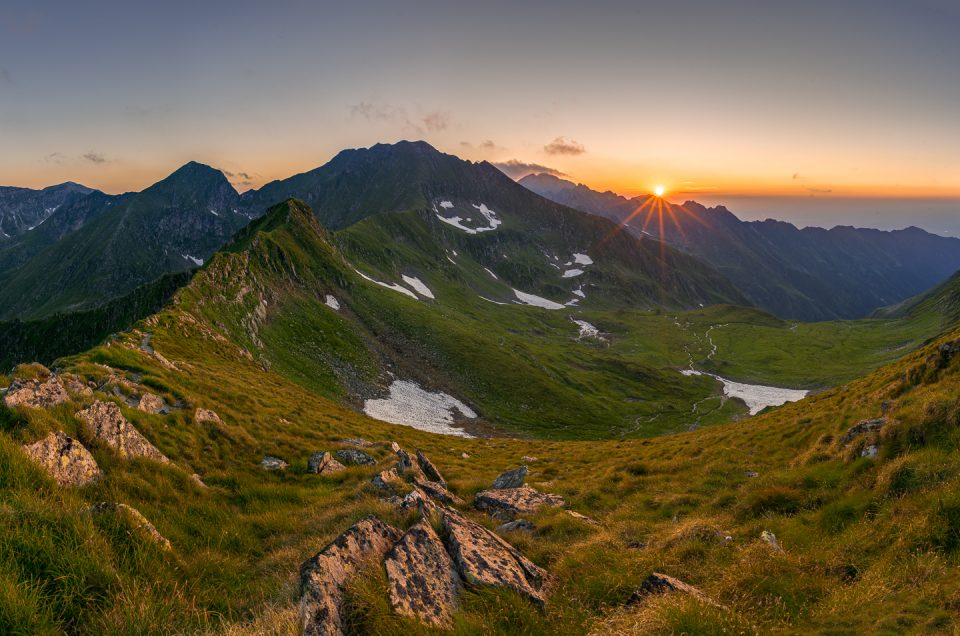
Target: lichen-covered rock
323	577
323	463
354	457
510	479
65	459
75	385
510	502
483	558
38	394
206	416
423	581
437	491
150	403
273	463
658	583
104	422
140	526
432	472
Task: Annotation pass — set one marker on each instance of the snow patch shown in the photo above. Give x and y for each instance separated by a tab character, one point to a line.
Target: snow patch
457	221
587	330
196	261
214	212
410	405
582	259
579	292
756	396
395	287
491	301
332	303
570	273
491	273
446	205
536	301
418	286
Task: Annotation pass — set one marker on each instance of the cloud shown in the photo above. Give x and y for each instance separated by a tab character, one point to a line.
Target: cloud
487	145
95	157
436	121
564	146
242	179
54	157
433	121
820	190
516	169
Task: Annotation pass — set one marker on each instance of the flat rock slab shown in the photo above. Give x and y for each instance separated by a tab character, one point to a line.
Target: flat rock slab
322	578
323	463
510	479
104	422
139	525
65	459
422	578
511	502
354	457
432	472
658	583
38	394
483	558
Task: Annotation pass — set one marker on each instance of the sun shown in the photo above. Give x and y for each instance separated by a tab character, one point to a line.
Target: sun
659	190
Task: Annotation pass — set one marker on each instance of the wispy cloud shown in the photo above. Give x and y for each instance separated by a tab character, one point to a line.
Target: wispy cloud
55	158
516	169
242	179
431	121
436	121
820	190
564	146
487	145
95	157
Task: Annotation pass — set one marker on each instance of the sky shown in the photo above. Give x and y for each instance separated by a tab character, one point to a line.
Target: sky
818	112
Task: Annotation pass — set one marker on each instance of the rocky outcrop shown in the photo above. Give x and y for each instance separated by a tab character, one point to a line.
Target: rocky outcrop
65	459
421	576
510	479
323	463
38	394
139	525
511	502
432	472
437	491
862	439
483	558
862	428
405	463
354	457
658	583
206	416
75	385
273	463
387	480
104	422
322	578
150	403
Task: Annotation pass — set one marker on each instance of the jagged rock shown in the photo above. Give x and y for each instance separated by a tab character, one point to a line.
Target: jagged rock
862	428
431	471
65	459
358	442
206	416
140	525
273	463
770	539
387	480
104	422
416	499
323	577
437	491
510	479
517	525
422	578
150	403
354	457
510	502
483	558
38	394
323	464
406	464
658	583
395	447
579	517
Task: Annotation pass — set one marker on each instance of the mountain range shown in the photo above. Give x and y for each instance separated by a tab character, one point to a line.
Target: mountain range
804	274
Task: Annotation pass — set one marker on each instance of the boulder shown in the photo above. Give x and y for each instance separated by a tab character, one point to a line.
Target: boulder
322	578
38	394
870	451
417	500
658	583
862	428
406	463
139	525
422	578
150	403
387	480
431	471
437	491
510	479
75	385
65	459
395	447
206	416
323	463
511	502
521	525
104	422
273	463
354	457
771	540
483	558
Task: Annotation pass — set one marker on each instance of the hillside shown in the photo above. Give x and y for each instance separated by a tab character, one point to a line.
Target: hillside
24	209
941	302
805	274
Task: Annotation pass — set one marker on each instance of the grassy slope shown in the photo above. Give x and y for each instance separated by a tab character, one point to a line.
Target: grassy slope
869	546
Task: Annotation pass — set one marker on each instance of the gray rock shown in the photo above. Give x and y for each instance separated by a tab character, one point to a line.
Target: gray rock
579	517
206	416
273	463
431	471
437	491
150	403
870	451
65	459
518	525
387	480
104	422
510	479
511	502
323	463
751	473
323	578
770	539
358	442
38	394
421	577
658	583
354	457
139	525
862	428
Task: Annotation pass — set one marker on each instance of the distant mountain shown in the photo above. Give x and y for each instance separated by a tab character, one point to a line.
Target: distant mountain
807	274
173	225
23	209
